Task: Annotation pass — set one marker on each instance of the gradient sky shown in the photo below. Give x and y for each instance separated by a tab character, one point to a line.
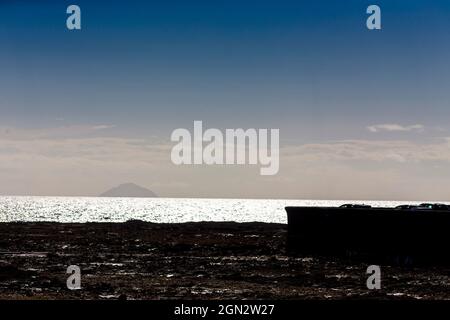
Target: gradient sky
362	114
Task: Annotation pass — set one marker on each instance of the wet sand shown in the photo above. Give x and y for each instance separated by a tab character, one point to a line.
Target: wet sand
138	260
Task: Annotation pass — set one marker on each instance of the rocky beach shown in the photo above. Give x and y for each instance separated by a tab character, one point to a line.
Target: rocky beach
204	260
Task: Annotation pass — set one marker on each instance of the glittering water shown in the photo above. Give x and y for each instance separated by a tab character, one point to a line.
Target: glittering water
164	210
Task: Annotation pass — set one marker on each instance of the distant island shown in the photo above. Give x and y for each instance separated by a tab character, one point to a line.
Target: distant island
129	190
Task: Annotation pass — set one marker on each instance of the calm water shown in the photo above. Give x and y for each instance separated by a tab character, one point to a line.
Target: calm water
84	209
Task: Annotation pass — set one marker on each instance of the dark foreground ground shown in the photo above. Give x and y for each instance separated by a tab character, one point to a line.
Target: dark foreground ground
137	260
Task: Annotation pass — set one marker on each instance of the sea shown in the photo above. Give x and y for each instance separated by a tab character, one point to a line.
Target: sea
158	210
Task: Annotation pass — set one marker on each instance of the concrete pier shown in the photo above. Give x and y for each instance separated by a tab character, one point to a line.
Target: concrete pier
383	234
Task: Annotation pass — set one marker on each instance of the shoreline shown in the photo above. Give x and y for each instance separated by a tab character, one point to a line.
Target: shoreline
193	260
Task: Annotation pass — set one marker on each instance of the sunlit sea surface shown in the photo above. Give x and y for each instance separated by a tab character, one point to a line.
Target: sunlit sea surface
163	210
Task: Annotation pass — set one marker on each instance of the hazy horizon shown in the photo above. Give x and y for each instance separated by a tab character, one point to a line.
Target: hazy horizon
363	115
347	200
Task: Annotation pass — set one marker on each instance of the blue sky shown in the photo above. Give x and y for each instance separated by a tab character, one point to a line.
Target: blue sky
310	68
